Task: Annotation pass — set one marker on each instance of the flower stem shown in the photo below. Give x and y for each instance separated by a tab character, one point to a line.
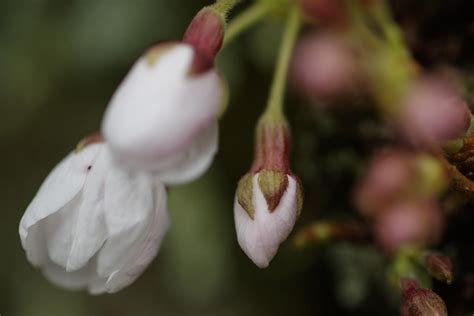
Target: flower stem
245	20
274	110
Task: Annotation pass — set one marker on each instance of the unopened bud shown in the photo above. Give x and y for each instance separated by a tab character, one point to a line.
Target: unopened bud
395	175
324	65
415	224
206	32
433	112
269	197
388	176
266	207
439	266
418	301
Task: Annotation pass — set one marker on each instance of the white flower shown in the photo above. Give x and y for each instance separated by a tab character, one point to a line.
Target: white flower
163	117
265	210
94	225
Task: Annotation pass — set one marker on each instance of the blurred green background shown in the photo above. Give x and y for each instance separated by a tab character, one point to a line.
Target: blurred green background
60	62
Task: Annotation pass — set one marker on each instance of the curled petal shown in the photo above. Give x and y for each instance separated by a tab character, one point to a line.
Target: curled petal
60	187
146	249
129	205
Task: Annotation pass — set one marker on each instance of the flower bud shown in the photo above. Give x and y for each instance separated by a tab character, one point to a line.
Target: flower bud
324	65
439	266
266	206
206	32
433	112
163	118
419	301
393	175
411	223
268	198
388	175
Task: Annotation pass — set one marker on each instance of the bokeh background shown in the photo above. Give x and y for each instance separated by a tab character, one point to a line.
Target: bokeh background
60	62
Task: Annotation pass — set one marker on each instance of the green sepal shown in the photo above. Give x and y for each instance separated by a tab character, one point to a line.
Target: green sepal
273	185
245	194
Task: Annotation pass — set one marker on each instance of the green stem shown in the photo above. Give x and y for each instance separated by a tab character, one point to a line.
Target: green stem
245	20
274	110
383	16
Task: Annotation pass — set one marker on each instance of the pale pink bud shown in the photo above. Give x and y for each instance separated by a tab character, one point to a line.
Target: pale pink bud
388	176
408	224
394	175
266	207
269	197
324	65
434	111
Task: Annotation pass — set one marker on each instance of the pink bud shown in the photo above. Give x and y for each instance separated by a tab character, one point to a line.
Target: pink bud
325	11
417	301
408	224
388	176
434	111
395	175
324	65
206	33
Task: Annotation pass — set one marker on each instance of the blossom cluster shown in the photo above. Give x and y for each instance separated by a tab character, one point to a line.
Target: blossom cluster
101	215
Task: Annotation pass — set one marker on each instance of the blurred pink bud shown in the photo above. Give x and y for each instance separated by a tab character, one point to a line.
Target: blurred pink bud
389	173
394	175
324	65
416	223
434	111
418	301
325	11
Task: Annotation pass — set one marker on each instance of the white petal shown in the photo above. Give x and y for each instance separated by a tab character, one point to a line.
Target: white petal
75	233
35	246
59	188
146	249
195	161
57	229
89	231
159	110
260	238
70	280
129	207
